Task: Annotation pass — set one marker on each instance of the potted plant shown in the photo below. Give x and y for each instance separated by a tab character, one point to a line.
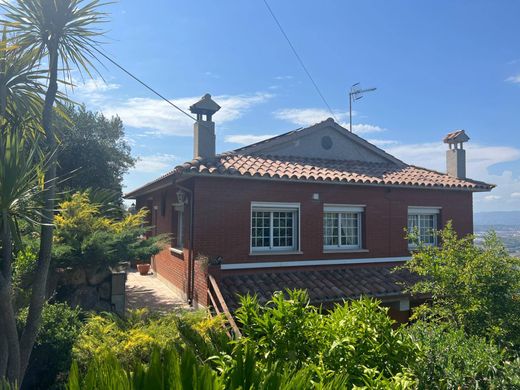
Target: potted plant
143	268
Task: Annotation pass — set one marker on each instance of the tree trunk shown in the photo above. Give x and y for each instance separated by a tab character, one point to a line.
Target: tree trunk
44	258
8	319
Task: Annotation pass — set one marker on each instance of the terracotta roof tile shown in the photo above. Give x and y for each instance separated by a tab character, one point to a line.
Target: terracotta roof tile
323	285
316	169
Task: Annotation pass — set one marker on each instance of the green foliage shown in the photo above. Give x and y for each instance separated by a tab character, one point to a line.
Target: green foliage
476	288
180	369
352	339
133	339
86	236
94	150
449	358
52	352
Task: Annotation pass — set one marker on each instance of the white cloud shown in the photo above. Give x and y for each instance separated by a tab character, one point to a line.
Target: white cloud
92	91
286	77
160	118
307	116
363	128
246	139
311	116
492	197
480	160
514	79
155	163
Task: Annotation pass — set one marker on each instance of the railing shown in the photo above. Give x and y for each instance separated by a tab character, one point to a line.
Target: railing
219	306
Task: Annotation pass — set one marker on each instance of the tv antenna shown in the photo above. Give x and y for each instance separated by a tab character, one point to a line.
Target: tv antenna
356	93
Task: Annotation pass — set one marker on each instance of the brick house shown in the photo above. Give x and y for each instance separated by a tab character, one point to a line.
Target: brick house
318	208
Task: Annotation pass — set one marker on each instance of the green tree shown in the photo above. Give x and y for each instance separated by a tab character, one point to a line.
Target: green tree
59	34
94	148
476	288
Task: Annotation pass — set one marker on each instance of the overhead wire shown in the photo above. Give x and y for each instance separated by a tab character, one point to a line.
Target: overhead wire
143	83
299	59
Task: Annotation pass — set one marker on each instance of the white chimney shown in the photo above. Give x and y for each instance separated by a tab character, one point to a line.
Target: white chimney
456	155
204	127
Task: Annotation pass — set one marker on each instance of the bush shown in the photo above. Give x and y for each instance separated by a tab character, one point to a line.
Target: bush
132	340
85	236
449	358
354	339
52	352
474	288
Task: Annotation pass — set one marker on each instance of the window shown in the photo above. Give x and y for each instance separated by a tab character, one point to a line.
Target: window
274	227
422	222
342	227
178	226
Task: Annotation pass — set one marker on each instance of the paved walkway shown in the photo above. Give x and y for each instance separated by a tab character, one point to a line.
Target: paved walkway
150	292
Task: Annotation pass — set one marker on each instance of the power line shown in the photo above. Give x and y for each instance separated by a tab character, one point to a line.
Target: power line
143	83
299	59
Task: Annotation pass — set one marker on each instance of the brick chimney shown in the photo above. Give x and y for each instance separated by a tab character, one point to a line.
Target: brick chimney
204	127
456	155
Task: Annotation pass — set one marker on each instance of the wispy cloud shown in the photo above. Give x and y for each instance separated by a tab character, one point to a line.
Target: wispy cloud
246	139
364	128
160	118
155	163
310	116
92	90
286	77
307	116
514	79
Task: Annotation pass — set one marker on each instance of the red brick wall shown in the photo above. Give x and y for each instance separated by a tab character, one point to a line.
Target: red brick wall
222	220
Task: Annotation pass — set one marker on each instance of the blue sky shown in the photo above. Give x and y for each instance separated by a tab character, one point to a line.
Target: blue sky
438	66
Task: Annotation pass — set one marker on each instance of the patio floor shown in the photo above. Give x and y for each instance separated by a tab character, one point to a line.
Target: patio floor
151	293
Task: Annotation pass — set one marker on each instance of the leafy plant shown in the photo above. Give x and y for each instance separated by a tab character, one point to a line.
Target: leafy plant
51	356
353	338
449	358
86	237
476	288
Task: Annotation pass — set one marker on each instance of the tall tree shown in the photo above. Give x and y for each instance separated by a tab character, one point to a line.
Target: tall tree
94	148
61	33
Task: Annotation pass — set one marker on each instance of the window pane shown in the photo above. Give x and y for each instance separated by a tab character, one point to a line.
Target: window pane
282	228
423	226
260	229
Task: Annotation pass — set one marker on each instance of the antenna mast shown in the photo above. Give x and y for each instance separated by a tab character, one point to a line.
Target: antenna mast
356	93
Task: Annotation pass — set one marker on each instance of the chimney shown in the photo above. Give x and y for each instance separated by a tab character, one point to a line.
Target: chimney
204	127
456	155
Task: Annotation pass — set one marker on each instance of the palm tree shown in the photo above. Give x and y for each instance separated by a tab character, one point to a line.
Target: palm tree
59	32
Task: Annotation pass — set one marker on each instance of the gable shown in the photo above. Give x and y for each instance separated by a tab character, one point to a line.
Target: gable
325	140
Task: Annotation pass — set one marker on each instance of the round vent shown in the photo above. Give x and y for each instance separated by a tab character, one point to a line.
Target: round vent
326	142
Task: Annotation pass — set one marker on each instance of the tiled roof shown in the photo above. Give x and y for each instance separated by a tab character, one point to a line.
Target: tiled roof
456	136
342	171
323	285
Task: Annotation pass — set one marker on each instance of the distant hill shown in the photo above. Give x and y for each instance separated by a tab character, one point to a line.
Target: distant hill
511	218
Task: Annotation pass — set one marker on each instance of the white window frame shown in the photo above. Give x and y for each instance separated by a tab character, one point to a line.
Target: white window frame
272	207
423	211
179	240
339	209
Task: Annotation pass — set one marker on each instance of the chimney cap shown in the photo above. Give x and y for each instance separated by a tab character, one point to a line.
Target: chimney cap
205	106
458	136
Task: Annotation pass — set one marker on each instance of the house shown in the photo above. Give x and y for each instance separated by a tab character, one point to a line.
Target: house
318	208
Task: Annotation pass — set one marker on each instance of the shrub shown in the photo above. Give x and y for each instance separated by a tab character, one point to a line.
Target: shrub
476	288
132	340
354	339
51	356
86	236
449	358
